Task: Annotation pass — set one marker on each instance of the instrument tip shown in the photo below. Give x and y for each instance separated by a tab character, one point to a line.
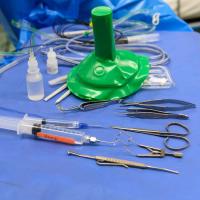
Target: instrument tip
70	152
164	169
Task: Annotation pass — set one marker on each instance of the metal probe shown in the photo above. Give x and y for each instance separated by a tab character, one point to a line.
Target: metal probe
101	160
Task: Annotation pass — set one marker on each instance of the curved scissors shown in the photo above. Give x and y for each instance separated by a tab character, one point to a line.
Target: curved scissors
168	135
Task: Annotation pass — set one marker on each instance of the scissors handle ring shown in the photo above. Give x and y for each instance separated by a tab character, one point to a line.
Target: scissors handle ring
186	141
187	131
177	136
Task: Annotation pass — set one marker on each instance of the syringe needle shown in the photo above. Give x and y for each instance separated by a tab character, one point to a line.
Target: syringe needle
108	142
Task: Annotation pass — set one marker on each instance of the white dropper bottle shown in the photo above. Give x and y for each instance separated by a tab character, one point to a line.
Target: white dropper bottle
34	80
52	62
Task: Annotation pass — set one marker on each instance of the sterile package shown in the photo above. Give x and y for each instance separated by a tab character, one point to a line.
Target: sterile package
159	78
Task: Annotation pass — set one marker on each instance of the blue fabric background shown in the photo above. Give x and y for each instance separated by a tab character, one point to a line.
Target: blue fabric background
46	12
35	169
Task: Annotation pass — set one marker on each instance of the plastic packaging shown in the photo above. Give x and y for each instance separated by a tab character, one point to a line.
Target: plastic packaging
159	78
52	63
144	38
34	80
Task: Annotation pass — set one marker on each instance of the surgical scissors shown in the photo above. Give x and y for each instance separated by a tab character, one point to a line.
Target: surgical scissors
166	134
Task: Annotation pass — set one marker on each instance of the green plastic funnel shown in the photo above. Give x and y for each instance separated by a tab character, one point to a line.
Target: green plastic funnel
107	73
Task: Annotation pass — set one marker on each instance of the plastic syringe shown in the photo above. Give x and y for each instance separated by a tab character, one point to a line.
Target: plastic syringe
35	126
69	124
64	123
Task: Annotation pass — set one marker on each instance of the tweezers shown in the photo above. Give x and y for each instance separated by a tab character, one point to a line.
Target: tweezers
151	104
145	113
90	105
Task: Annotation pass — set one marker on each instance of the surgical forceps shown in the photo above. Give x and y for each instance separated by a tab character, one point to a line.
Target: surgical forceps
157	104
166	134
90	105
145	113
147	109
156	109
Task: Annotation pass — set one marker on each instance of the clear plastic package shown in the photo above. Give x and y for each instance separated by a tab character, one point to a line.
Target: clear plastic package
159	78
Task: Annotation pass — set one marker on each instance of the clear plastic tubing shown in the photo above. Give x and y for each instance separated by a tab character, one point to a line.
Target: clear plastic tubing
159	55
12	64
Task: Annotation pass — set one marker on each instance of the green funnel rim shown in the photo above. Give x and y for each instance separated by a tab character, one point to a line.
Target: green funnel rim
101	11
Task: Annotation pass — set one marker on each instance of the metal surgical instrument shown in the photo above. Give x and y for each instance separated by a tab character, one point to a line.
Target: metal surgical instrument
166	134
157	104
145	113
157	152
107	161
90	105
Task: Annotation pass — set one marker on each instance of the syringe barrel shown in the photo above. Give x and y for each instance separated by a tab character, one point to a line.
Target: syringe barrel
63	123
20	125
9	123
51	132
59	134
34	126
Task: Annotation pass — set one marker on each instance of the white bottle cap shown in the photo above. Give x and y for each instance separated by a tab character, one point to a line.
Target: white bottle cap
52	62
32	64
